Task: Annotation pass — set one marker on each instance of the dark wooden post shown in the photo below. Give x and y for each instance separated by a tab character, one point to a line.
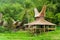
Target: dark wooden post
44	28
48	27
55	27
29	27
40	29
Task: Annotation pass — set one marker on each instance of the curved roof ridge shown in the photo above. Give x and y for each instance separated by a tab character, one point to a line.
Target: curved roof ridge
41	13
36	12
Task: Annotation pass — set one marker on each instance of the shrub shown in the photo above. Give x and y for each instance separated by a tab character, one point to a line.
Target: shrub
2	29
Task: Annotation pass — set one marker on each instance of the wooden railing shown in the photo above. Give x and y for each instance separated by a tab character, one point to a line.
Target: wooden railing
42	28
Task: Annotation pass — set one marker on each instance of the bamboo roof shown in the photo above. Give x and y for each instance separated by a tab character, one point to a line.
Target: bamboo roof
40	18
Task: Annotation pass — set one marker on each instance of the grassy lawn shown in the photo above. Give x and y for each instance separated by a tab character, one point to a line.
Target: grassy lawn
22	35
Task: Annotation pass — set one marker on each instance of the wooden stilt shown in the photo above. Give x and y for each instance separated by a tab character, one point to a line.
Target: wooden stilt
40	30
29	27
55	27
48	28
44	28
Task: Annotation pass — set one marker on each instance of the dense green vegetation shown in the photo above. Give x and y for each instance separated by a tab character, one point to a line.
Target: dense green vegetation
25	35
15	9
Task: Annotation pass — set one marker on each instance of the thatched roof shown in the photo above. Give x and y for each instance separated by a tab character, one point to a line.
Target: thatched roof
40	22
40	18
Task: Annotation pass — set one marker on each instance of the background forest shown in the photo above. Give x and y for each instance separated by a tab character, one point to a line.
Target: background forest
15	9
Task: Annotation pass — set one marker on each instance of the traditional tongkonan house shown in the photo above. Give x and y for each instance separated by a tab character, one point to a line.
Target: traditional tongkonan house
40	23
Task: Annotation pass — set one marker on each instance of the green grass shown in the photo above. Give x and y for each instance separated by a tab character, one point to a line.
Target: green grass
23	35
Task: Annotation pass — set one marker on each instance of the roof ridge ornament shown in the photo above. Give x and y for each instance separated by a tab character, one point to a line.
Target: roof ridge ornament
40	14
36	12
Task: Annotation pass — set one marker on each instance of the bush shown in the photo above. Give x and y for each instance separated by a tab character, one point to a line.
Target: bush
2	29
